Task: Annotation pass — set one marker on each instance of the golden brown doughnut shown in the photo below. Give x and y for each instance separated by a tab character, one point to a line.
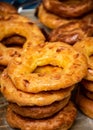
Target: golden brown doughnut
30	99
68	8
72	64
73	31
85	104
86	47
38	112
31	32
69	33
6	8
50	20
63	120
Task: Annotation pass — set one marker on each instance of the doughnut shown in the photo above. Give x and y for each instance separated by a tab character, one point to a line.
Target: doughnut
86	47
73	31
69	33
63	119
72	63
37	112
50	20
26	29
85	104
7	53
6	8
68	8
30	99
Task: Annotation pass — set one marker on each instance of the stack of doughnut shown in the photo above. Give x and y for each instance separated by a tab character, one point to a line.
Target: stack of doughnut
38	85
70	21
84	98
39	77
38	82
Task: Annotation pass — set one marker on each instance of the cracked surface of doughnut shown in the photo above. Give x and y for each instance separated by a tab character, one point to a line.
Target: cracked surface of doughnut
7	53
72	64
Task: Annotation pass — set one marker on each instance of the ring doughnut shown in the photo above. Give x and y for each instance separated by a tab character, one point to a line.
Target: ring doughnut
38	112
72	63
64	120
69	33
50	20
73	31
86	47
40	99
68	8
31	31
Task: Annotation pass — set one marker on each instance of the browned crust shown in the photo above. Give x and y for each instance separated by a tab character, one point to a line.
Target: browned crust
38	112
68	8
73	31
6	8
64	120
50	20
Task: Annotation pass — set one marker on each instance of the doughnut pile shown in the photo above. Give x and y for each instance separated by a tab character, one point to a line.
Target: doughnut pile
6	8
39	77
53	13
41	80
84	98
70	20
